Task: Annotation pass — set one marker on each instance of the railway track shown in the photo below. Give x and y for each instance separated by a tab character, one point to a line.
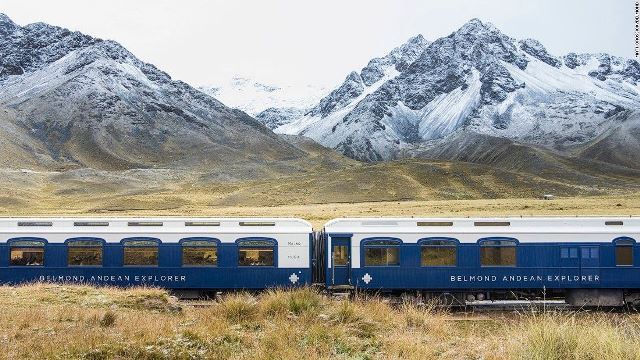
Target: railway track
471	307
517	305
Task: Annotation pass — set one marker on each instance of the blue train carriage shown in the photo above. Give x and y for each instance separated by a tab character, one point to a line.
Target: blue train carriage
174	253
586	261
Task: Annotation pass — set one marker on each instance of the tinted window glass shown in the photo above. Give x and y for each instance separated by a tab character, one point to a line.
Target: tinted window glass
199	253
438	255
382	256
27	256
143	256
498	253
79	256
249	256
438	252
568	253
589	252
624	255
140	253
340	255
27	252
84	252
256	252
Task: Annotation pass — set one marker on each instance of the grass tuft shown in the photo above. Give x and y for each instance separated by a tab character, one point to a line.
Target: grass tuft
239	308
108	319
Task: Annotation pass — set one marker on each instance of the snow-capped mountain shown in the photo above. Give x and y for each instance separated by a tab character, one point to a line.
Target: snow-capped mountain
475	81
71	100
253	96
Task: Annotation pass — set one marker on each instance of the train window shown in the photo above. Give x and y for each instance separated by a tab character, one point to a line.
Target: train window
84	251
381	252
498	252
256	252
438	252
27	252
568	253
340	255
624	251
199	252
589	253
140	251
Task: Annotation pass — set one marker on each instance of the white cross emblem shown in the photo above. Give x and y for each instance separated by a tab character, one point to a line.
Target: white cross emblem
293	278
367	278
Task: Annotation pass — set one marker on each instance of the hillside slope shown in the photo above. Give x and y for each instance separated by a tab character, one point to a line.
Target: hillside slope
68	100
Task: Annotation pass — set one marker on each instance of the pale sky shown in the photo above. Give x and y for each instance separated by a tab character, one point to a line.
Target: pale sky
317	42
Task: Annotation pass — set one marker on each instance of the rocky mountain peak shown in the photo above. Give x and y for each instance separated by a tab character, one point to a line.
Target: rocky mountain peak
449	63
35	45
537	50
399	58
415	44
476	27
407	53
7	26
5	19
417	40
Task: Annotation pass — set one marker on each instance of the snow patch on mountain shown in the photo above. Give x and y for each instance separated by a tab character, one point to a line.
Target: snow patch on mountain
314	125
254	97
543	79
440	117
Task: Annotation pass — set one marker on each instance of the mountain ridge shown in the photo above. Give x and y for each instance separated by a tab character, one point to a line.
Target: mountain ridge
68	100
479	80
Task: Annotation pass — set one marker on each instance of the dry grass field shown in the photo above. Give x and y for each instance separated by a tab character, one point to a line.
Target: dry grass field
417	188
624	203
43	321
408	187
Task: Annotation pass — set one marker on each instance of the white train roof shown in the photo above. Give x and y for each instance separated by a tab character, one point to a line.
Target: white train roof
502	225
155	225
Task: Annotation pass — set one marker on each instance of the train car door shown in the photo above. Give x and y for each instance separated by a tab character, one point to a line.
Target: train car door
340	261
590	263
